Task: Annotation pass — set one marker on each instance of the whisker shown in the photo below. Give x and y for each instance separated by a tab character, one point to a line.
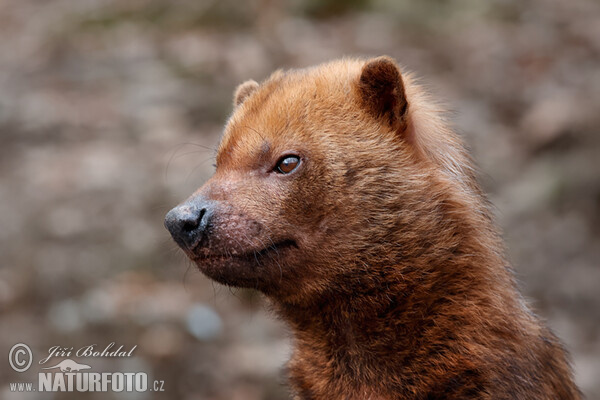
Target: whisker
198	166
177	148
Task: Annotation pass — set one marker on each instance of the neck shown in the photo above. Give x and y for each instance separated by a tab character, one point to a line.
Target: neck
407	298
385	319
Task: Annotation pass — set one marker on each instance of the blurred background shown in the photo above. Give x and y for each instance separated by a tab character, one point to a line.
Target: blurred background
109	114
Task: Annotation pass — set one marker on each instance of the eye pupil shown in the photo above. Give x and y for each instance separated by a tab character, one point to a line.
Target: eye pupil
287	164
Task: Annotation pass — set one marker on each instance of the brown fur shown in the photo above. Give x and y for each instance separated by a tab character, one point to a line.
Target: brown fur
379	250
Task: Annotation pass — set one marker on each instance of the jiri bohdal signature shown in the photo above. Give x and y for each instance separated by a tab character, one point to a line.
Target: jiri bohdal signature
91	350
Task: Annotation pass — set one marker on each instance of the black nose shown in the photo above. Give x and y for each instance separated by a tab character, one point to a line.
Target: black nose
188	221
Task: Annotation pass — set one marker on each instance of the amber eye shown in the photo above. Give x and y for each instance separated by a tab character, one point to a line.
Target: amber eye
287	164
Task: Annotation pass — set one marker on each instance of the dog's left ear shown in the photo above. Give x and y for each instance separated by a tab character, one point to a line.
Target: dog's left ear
381	91
243	91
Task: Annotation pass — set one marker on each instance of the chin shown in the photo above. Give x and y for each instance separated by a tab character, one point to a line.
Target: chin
263	269
231	271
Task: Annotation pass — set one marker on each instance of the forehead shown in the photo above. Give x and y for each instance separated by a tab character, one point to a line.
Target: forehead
289	108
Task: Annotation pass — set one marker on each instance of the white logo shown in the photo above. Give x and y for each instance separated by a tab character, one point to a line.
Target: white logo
70	376
14	357
69	366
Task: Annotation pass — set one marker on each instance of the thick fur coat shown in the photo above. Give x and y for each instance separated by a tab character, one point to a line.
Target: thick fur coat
378	249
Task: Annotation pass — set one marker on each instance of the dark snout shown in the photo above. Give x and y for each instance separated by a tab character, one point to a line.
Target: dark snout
188	222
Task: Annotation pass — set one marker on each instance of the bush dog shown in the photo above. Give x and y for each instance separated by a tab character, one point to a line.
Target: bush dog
341	193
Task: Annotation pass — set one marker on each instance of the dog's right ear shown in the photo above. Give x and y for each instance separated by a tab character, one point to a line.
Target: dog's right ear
243	91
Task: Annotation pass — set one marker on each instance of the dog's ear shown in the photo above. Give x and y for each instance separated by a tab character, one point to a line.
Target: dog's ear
243	91
381	91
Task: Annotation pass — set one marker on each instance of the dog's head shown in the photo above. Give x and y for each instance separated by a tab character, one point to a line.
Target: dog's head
306	172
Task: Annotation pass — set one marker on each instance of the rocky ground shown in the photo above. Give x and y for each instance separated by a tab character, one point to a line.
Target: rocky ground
109	113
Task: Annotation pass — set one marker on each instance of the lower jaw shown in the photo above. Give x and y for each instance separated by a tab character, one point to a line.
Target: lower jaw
237	273
251	256
258	270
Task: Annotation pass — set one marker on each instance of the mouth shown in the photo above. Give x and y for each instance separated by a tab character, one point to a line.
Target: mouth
260	268
273	250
